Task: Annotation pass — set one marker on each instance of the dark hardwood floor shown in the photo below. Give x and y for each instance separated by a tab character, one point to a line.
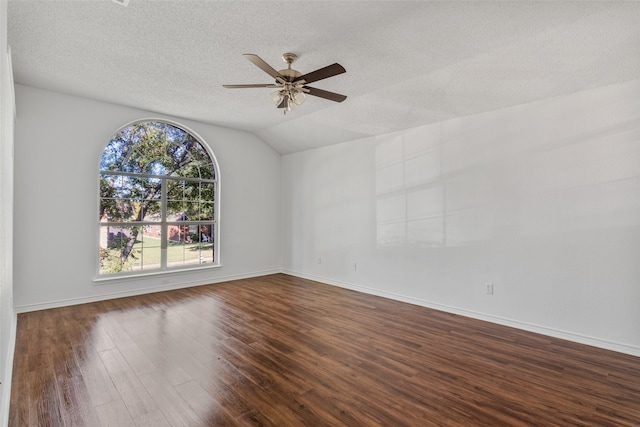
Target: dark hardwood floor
283	351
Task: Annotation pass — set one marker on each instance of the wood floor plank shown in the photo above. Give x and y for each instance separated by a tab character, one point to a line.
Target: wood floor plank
175	409
44	408
201	402
133	393
283	351
154	419
76	407
97	381
114	414
163	361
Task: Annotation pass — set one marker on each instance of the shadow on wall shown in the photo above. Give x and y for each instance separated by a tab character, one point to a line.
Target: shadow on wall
548	167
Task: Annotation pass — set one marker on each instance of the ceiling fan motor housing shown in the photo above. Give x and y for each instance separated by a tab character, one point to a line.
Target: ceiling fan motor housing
289	73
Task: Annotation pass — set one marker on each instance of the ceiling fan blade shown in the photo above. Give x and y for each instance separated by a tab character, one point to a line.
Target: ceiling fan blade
260	63
271	85
322	73
332	96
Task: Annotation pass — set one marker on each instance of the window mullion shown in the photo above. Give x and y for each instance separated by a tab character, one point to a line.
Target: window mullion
163	219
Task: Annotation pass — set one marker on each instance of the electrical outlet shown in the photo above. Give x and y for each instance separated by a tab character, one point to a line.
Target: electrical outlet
354	265
488	288
320	260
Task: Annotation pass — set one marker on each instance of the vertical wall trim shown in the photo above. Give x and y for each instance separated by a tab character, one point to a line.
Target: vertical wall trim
12	88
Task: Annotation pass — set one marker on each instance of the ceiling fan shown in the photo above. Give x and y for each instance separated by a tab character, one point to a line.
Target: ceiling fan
291	85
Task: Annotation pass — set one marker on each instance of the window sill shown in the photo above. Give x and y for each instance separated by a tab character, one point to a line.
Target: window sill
169	272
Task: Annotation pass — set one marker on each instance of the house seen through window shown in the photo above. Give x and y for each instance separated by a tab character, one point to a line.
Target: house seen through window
158	210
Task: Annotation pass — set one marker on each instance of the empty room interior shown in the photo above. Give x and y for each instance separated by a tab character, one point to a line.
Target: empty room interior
306	213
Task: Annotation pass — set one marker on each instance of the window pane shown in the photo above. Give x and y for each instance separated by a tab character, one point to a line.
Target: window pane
206	253
124	197
205	233
189	245
206	246
129	248
175	200
110	195
177	232
149	188
117	248
206	211
122	186
192	190
206	191
151	211
178	242
149	249
175	189
176	211
126	210
192	210
109	184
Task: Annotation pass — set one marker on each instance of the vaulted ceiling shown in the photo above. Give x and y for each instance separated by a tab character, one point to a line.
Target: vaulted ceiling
408	63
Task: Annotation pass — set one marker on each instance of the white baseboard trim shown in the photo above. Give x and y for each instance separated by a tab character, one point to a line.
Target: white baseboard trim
556	333
141	291
530	327
8	373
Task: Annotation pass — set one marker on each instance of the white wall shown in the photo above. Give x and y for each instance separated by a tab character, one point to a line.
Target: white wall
58	142
7	314
541	200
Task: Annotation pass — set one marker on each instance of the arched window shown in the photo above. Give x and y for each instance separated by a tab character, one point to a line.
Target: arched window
158	201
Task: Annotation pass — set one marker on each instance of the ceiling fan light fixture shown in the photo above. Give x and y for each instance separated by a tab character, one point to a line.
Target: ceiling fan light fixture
299	97
284	103
276	97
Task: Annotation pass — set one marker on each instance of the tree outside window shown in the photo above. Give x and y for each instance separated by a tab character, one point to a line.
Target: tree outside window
158	189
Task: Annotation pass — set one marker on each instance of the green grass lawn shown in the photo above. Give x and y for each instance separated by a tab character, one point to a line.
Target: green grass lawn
148	256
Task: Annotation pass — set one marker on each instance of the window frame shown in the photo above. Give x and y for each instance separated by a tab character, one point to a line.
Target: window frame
164	222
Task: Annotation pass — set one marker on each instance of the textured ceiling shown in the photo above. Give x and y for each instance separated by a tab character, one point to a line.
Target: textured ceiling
408	63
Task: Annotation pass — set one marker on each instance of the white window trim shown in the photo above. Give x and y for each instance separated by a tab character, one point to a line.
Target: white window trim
103	278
